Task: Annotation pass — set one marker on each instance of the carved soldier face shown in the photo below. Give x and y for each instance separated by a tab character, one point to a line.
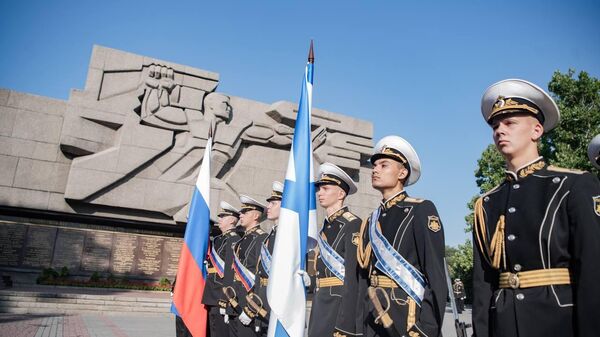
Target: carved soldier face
516	135
388	174
328	195
226	222
218	105
273	209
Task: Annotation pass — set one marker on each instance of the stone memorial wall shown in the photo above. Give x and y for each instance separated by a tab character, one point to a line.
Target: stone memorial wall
124	153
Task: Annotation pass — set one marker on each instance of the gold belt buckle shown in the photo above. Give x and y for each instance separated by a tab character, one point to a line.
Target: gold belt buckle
513	281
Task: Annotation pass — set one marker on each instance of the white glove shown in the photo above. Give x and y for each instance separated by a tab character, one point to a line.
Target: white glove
244	318
305	277
222	311
226	319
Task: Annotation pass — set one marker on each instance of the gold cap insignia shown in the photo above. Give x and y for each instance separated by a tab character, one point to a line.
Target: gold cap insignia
434	223
509	104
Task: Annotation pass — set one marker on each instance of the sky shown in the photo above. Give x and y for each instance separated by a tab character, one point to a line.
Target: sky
415	69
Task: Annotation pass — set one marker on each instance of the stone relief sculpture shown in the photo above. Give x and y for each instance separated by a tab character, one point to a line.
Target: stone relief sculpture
137	133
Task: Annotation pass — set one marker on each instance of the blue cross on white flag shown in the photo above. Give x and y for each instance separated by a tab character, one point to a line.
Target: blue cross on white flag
297	225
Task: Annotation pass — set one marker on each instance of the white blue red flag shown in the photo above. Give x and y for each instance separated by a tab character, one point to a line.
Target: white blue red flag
191	274
297	228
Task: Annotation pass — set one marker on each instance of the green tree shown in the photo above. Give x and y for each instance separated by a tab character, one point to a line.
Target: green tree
489	173
460	265
579	102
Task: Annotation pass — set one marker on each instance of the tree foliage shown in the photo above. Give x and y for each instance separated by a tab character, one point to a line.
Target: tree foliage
460	265
579	102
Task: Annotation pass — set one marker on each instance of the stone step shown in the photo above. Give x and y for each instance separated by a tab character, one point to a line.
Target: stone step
33	302
57	311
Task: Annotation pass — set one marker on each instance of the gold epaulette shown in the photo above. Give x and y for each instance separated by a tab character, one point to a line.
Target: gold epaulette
564	170
414	200
349	216
363	253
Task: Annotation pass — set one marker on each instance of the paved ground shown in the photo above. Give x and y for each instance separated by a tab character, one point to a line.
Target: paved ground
91	325
448	329
116	325
87	325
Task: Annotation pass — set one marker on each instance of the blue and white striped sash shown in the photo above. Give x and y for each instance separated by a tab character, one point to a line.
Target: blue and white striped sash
332	260
265	257
394	265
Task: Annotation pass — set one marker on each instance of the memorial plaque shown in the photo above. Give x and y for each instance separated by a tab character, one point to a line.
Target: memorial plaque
148	256
12	238
68	249
123	253
39	245
170	257
96	251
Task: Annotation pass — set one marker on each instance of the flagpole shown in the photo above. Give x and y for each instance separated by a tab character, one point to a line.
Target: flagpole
297	222
191	271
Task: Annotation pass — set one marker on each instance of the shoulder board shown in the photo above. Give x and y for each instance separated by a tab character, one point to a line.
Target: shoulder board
349	216
233	233
492	190
260	231
553	168
414	200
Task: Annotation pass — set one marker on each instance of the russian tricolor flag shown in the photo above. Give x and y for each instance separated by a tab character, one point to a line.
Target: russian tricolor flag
297	223
191	274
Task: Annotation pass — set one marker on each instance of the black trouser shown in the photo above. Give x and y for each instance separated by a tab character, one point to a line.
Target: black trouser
216	325
180	328
237	329
460	305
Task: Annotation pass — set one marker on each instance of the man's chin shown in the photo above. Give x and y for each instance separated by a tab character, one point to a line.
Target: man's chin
377	186
504	149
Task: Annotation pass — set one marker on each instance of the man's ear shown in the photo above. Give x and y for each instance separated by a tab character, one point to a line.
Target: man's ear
403	173
537	131
341	194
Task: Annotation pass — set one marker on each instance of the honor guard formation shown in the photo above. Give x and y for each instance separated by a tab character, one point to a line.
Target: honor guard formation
536	240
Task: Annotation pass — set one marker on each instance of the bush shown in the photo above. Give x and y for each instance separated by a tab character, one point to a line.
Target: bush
48	275
95	277
64	272
164	282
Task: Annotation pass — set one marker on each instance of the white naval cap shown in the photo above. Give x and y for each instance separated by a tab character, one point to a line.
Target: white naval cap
249	204
276	191
227	209
330	174
399	149
594	151
515	95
